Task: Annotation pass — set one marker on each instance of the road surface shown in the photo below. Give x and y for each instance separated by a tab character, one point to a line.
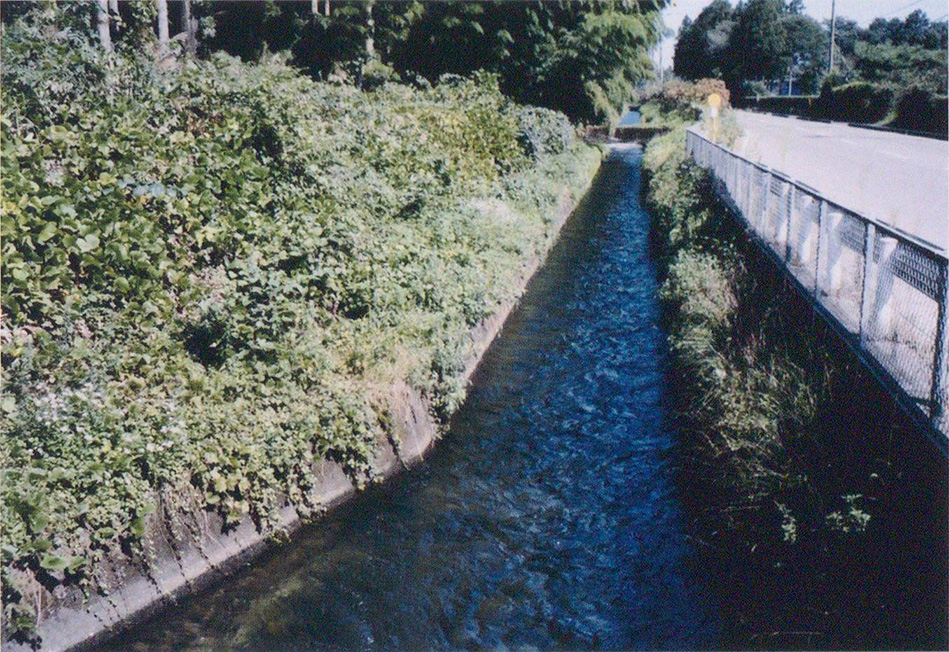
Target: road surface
895	179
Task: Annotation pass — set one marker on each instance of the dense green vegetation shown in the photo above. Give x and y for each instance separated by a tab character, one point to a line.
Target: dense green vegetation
749	389
213	274
794	458
893	70
753	42
678	104
581	57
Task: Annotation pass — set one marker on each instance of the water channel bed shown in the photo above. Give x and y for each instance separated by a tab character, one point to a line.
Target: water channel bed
546	518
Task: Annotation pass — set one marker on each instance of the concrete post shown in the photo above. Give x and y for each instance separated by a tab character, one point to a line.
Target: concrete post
765	206
940	380
750	173
833	250
821	243
883	292
870	270
806	233
784	230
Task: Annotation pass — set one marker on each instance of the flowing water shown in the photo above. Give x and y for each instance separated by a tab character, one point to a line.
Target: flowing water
547	517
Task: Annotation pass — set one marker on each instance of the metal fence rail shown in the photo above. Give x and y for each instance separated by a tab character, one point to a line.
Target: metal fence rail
885	290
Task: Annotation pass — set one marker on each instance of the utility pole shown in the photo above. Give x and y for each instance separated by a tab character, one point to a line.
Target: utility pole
833	34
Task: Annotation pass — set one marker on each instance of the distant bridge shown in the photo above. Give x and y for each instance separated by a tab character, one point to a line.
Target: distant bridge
883	289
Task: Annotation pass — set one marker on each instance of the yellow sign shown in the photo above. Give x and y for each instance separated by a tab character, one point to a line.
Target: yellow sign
714	100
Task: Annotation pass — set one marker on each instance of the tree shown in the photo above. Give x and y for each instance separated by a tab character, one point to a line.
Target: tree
163	51
846	35
190	26
701	46
581	56
757	46
794	7
102	24
805	43
915	28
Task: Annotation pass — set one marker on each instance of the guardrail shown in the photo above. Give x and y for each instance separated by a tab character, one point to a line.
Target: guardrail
884	290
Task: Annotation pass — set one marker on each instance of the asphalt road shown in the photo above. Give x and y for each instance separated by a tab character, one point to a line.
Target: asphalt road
899	180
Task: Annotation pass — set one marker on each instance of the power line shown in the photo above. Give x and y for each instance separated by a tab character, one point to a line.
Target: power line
912	4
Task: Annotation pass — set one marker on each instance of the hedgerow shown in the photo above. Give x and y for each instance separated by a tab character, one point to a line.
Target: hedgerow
211	275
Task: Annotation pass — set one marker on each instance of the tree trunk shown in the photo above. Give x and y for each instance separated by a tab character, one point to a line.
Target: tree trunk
114	6
102	24
327	8
315	7
162	6
370	31
163	57
190	25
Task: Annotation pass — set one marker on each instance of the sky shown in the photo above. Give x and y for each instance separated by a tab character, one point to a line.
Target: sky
862	11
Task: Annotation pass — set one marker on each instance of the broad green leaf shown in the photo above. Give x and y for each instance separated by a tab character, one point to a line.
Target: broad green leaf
137	526
53	562
88	243
49	230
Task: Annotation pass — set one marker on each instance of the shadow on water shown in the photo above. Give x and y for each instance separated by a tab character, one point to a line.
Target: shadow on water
546	518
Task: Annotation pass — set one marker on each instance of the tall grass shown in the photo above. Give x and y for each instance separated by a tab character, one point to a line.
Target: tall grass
751	380
821	511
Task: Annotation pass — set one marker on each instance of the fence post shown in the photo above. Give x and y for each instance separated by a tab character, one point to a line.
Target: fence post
786	236
736	182
749	185
832	251
869	279
765	205
941	356
884	286
821	243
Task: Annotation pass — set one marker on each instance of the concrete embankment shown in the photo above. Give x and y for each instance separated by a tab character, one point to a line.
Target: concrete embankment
187	551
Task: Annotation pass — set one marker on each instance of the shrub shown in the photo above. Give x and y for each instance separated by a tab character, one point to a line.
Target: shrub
678	95
211	275
855	102
921	110
544	132
680	102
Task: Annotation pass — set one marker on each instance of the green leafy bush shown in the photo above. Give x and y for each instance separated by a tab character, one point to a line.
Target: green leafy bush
212	276
679	103
855	102
920	110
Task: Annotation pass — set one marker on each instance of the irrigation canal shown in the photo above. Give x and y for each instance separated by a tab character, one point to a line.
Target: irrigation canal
549	517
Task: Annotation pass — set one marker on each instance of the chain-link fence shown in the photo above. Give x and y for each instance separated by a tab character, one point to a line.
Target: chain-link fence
886	289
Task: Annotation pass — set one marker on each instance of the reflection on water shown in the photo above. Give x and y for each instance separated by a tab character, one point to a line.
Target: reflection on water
546	518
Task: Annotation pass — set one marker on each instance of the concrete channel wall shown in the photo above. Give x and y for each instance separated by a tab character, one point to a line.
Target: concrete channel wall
884	291
187	552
